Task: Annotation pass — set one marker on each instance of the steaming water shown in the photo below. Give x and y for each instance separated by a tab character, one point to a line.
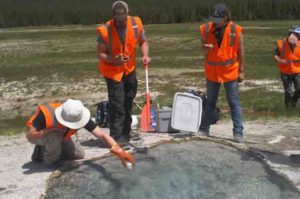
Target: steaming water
175	171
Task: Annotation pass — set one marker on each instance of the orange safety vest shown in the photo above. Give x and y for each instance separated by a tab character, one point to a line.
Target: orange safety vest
293	58
221	64
51	121
115	47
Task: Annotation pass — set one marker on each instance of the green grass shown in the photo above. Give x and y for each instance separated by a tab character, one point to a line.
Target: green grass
70	51
260	104
172	46
13	126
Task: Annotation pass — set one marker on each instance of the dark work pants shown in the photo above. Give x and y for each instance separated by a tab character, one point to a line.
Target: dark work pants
120	98
290	98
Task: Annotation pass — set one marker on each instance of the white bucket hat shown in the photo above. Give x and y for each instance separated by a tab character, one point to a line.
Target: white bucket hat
72	114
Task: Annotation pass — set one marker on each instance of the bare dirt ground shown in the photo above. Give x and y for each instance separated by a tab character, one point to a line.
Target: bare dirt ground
21	178
20	98
278	141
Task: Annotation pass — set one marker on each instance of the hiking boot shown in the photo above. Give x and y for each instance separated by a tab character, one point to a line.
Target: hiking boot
295	99
290	103
293	103
238	138
135	136
38	154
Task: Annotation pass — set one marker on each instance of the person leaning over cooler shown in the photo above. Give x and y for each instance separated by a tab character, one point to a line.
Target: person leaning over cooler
52	126
117	41
287	54
222	44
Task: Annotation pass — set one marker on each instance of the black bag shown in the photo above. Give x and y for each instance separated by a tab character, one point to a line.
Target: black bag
203	97
102	114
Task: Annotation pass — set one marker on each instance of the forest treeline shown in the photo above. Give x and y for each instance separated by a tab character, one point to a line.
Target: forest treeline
60	12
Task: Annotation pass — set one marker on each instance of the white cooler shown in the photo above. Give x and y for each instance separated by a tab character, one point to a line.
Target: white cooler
186	112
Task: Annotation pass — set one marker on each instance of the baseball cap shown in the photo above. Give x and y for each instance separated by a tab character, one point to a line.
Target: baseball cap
120	10
220	11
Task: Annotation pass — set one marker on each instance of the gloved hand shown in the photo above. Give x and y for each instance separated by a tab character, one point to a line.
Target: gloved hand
124	156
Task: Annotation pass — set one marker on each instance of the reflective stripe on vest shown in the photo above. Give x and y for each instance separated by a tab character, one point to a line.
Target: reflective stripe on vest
232	34
283	49
291	57
135	27
52	114
293	61
55	123
224	63
110	45
232	42
283	54
206	32
109	33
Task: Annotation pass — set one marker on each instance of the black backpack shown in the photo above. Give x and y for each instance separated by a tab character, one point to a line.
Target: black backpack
102	114
203	97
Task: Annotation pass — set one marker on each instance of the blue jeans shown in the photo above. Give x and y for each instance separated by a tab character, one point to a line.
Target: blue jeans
231	89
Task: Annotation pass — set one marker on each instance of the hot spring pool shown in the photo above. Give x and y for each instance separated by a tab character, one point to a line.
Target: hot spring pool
188	170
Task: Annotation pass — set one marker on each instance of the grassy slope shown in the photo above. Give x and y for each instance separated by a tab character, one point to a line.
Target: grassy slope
70	51
32	51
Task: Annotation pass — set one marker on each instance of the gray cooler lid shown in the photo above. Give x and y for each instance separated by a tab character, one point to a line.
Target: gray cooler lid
186	112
